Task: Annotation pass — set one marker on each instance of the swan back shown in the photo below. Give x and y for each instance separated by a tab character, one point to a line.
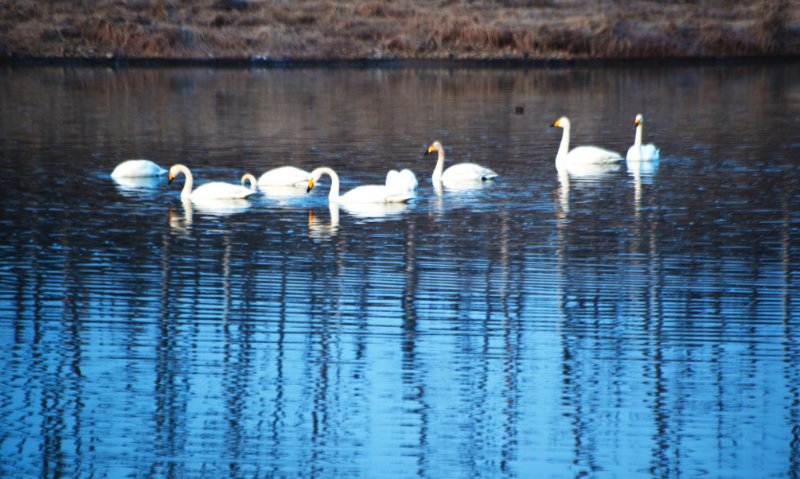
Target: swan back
218	190
592	155
137	169
467	173
284	176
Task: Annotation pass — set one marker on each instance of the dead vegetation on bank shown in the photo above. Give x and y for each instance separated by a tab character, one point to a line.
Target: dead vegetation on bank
401	29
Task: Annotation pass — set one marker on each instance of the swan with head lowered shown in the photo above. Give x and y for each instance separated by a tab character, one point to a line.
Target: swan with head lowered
458	174
581	156
283	176
215	190
399	188
640	152
137	169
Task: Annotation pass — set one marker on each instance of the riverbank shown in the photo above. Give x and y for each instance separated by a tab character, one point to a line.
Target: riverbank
282	30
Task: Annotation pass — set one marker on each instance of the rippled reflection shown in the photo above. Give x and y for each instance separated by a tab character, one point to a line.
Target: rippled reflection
144	186
625	323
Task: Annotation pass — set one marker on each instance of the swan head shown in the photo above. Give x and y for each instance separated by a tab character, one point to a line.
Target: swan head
435	146
173	172
562	122
639	119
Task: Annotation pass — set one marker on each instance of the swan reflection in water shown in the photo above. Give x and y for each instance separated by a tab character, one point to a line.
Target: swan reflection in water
643	170
586	173
375	210
284	192
590	170
205	207
220	207
319	229
138	186
181	224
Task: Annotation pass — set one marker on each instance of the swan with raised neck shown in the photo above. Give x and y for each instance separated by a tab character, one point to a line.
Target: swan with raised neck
581	155
458	174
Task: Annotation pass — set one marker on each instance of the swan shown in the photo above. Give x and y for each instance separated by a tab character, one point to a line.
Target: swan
582	155
389	193
215	190
284	176
640	152
459	174
275	192
137	169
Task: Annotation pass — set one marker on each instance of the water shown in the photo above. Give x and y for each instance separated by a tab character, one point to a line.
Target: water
626	324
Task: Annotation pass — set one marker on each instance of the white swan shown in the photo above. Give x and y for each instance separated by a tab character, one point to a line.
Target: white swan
640	152
284	176
137	169
210	191
275	192
362	194
459	174
582	155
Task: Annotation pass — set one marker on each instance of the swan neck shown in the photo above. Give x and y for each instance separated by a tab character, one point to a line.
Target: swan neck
333	196
437	172
563	149
638	140
188	185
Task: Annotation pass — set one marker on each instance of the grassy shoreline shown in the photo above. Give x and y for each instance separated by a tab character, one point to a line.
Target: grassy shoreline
278	31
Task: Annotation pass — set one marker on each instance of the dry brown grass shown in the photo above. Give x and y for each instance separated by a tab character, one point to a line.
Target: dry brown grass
407	29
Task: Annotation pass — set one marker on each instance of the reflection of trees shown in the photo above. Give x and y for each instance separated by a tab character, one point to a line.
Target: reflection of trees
697	308
169	403
510	302
414	380
605	303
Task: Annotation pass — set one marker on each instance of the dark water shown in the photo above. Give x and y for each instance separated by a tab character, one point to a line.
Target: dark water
618	325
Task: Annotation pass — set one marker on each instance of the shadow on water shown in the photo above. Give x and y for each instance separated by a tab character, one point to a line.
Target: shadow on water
633	321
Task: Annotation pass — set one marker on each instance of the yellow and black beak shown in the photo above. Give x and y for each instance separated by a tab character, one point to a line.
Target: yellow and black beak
170	177
310	184
637	122
556	123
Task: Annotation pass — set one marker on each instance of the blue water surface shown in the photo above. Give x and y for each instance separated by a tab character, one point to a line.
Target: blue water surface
637	322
